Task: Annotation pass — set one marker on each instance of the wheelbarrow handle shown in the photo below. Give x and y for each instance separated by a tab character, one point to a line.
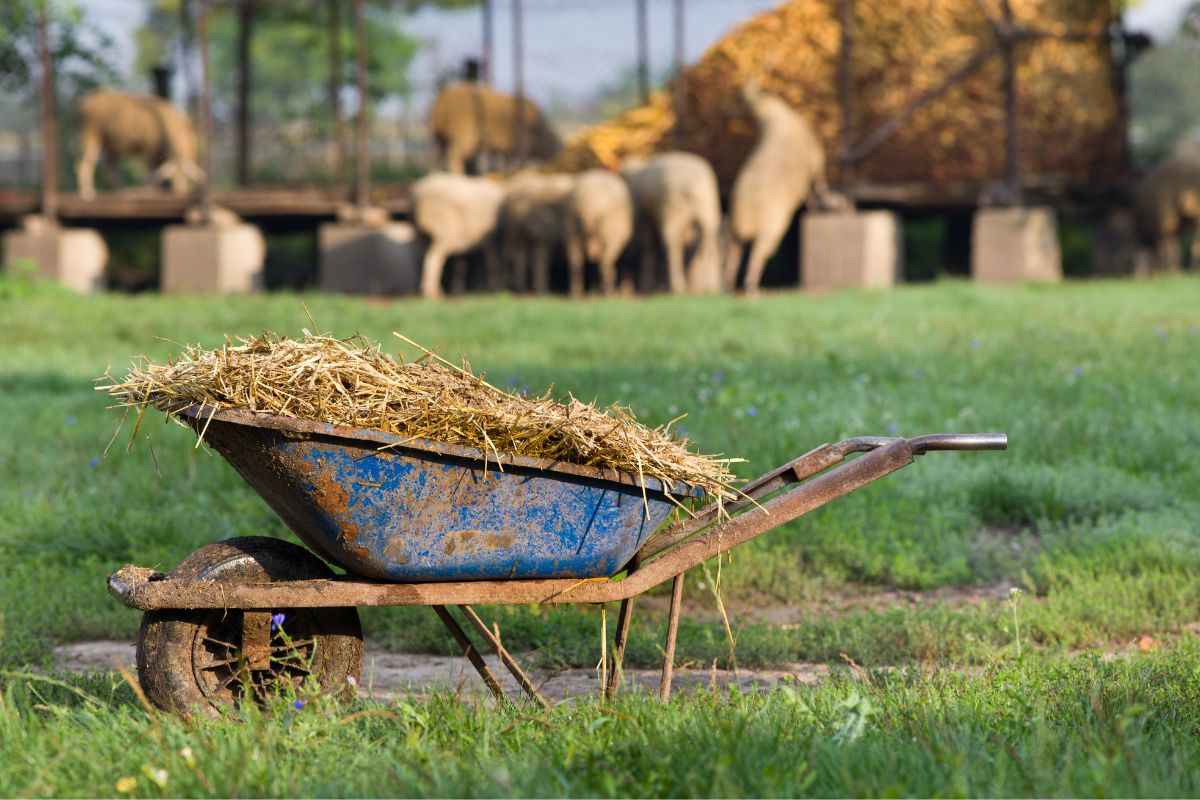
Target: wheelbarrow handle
932	441
806	466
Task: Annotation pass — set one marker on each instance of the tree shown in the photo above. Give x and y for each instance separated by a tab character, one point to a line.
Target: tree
1164	94
302	57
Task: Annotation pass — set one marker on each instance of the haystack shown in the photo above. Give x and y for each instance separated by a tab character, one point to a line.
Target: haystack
354	382
1068	109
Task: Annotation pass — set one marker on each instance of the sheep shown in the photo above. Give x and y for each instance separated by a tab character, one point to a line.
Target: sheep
118	124
676	199
786	163
599	218
1166	205
455	213
469	119
533	223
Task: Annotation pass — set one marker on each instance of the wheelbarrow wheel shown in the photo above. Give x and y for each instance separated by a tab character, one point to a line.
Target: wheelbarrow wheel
192	659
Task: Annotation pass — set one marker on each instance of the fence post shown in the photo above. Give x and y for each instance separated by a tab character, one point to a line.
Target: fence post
49	128
245	65
489	37
1012	128
643	53
362	161
846	95
519	147
680	93
205	109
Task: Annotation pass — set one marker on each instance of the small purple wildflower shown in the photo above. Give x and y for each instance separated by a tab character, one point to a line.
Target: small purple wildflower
752	411
94	461
513	381
71	419
892	427
920	373
718	376
1077	372
299	704
277	621
975	342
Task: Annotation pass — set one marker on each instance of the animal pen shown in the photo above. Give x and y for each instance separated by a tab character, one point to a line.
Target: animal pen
952	106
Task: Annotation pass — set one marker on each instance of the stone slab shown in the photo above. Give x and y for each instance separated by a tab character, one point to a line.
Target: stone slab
357	258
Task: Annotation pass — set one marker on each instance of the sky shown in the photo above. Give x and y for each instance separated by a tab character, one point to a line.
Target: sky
572	46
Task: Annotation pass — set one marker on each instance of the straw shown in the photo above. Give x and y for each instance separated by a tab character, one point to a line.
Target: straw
353	382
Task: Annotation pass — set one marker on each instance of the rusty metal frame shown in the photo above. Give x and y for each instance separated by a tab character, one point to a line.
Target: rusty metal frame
772	500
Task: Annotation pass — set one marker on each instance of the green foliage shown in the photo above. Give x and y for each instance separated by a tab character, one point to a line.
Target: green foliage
80	50
1092	511
1088	726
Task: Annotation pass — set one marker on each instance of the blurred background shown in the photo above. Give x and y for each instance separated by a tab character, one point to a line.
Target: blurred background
913	119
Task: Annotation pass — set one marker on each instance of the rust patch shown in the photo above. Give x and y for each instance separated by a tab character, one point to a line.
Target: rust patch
470	542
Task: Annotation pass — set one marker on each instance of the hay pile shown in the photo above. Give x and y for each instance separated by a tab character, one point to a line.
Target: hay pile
1069	113
353	382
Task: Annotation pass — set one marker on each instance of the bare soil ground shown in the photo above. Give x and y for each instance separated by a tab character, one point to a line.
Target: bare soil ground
387	674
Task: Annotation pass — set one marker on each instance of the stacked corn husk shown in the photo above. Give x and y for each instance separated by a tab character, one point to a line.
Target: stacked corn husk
1070	125
353	382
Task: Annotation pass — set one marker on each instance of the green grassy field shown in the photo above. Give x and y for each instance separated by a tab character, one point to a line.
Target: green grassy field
1093	512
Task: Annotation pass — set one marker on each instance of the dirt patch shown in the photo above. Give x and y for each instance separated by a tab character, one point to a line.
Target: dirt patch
387	674
835	603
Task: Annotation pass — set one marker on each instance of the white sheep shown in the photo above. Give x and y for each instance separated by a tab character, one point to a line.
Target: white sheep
786	163
456	214
676	199
599	225
533	224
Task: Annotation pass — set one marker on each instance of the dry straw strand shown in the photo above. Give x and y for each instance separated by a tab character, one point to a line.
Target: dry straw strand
353	382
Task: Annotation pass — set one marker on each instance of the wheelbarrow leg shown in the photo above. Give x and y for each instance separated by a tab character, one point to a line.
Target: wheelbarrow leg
505	657
471	653
614	675
668	671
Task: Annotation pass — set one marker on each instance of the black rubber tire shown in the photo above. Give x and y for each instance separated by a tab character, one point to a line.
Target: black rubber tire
184	656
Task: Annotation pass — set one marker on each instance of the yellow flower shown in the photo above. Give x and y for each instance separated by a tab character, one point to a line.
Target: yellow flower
127	784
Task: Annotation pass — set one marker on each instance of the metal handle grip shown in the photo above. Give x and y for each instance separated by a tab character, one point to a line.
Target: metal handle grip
958	441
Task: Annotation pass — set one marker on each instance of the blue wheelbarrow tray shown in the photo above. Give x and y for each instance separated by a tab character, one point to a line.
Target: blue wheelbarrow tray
409	510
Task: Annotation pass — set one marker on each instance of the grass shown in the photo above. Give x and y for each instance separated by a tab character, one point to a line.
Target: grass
1088	726
1093	512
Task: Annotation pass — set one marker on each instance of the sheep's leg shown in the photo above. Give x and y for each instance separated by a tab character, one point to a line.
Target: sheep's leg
1170	253
647	278
431	273
541	269
733	262
575	265
676	276
458	275
520	264
85	167
765	245
608	273
491	267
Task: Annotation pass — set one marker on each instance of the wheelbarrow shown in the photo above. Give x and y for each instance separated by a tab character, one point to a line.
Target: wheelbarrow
422	523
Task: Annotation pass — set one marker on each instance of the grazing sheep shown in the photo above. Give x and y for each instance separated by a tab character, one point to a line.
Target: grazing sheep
675	198
771	186
117	124
533	223
1166	205
469	119
599	224
455	213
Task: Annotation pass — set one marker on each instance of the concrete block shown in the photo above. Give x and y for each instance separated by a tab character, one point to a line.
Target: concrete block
210	259
73	257
1010	245
357	258
860	249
